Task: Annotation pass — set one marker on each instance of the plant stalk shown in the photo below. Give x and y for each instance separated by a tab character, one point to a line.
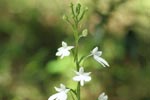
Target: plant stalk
76	35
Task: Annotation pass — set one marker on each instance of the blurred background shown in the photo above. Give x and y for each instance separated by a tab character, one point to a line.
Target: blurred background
32	30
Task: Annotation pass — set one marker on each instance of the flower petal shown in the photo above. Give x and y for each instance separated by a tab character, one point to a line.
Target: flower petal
58	53
60	49
62	96
102	96
53	97
66	53
81	70
67	90
77	72
76	78
58	89
70	47
87	74
64	44
101	61
98	53
82	82
94	50
87	78
62	86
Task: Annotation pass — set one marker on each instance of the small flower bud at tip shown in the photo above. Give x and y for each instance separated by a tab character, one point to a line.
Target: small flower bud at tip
71	4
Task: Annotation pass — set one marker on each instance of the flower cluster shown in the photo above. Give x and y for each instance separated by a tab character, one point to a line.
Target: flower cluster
81	77
64	51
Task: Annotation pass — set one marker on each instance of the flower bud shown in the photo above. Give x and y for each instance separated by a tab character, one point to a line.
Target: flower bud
64	17
78	8
84	32
86	8
71	5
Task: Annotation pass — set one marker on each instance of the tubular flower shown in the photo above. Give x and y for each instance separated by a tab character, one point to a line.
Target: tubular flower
82	76
102	96
96	55
61	95
64	50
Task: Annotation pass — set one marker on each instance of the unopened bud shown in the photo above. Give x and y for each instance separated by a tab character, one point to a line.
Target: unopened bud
78	8
84	32
65	17
86	8
71	4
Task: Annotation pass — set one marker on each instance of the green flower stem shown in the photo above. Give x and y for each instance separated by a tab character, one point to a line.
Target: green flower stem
83	58
76	18
76	57
76	37
73	92
77	65
78	91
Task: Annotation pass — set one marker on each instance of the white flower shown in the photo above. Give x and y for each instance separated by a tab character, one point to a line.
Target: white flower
61	95
82	76
64	50
102	96
96	55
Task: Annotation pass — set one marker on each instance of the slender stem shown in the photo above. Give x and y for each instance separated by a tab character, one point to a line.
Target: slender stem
78	91
82	59
77	65
76	35
73	92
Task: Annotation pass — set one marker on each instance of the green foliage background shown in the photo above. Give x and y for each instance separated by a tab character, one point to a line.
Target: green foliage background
32	30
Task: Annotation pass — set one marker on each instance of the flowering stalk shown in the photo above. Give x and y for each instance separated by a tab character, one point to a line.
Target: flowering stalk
76	37
81	76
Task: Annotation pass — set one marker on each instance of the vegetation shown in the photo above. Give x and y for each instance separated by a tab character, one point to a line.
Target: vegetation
32	30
